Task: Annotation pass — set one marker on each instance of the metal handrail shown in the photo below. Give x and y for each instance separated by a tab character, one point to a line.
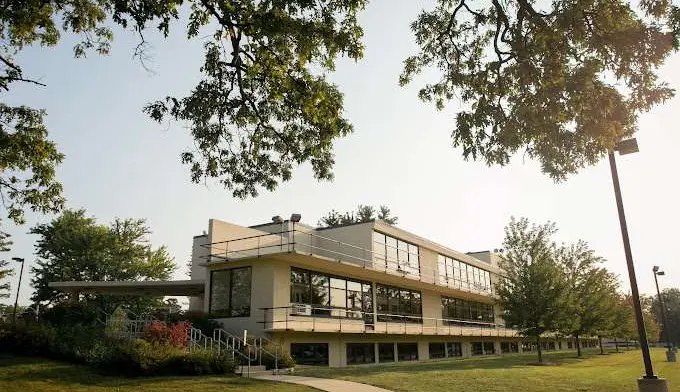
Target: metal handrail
381	263
419	324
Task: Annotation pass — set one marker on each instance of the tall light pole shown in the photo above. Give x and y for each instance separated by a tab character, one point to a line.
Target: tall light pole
16	299
648	382
664	317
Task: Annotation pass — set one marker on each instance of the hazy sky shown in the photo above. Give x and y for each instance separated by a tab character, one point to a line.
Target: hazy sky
121	164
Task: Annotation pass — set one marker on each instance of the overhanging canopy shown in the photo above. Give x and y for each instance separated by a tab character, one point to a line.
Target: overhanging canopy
189	288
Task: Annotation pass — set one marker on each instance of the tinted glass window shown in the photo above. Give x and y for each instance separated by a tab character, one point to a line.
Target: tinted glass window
360	353
309	353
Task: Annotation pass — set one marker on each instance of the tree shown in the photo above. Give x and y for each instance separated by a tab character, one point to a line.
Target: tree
592	292
671	299
533	291
562	81
364	213
263	106
5	272
74	247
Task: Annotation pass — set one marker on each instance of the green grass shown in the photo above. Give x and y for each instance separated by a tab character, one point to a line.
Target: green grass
616	372
41	375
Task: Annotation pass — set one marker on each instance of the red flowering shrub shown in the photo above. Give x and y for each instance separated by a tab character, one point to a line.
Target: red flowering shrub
171	335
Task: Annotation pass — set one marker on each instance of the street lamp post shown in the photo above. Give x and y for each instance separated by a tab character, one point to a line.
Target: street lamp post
664	317
649	382
16	299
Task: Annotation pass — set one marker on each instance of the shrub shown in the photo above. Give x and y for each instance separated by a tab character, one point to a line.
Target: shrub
269	361
199	320
71	314
28	339
173	335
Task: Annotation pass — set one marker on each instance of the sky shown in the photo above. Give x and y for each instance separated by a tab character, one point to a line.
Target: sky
119	163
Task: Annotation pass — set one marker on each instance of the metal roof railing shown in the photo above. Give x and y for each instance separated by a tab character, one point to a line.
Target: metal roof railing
308	242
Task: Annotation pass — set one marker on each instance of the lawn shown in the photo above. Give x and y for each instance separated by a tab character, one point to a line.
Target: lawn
40	375
601	373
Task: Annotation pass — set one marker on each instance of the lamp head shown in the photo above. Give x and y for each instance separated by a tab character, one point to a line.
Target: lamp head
627	146
277	219
18	259
295	218
661	273
656	268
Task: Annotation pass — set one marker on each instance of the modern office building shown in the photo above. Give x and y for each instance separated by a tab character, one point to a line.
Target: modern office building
353	294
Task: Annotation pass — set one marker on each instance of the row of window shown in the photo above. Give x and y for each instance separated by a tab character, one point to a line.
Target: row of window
458	274
362	353
392	253
463	310
330	295
341	297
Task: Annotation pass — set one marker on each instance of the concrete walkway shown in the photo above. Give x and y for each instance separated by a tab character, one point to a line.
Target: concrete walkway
324	384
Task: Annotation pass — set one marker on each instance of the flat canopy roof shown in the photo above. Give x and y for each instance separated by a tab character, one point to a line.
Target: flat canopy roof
189	288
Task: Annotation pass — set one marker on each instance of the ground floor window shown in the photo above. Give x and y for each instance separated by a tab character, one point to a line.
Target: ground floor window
437	350
309	353
454	349
477	348
360	353
489	348
509	347
385	352
407	351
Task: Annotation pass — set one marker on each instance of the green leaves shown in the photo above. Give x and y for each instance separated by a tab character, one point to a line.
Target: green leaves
75	247
27	163
264	105
364	213
563	83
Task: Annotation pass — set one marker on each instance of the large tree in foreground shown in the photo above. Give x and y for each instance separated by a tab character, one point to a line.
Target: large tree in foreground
74	247
533	291
592	293
561	81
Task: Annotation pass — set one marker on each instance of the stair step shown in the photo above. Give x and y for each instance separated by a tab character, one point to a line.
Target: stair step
244	369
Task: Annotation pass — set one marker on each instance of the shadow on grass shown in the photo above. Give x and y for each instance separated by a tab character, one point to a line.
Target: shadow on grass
45	370
497	362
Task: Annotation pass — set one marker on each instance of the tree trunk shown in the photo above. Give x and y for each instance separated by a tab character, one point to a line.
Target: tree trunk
599	337
538	348
578	346
616	344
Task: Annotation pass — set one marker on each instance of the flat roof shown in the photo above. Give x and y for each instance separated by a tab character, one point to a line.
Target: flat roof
189	288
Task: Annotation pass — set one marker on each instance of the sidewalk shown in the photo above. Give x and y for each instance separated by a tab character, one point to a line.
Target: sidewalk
324	384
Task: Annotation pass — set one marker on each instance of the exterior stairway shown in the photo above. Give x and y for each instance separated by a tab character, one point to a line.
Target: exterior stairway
250	356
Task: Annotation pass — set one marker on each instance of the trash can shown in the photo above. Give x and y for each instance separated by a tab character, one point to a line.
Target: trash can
671	355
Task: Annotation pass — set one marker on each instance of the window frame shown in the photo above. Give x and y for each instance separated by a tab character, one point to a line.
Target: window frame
230	308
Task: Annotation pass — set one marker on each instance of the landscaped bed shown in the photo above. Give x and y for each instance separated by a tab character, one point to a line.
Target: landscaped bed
616	372
24	374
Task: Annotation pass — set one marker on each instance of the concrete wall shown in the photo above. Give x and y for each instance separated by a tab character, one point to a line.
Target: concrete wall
199	253
243	241
352	243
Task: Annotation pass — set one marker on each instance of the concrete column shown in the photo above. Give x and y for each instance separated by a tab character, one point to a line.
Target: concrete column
497	347
423	350
466	349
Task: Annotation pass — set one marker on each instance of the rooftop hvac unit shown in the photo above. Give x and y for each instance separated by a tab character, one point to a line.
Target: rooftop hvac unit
302	310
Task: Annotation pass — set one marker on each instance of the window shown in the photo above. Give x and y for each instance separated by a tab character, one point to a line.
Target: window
477	348
407	351
360	353
385	352
395	254
454	349
528	346
437	350
455	273
397	304
330	295
509	347
230	292
489	348
460	311
309	353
